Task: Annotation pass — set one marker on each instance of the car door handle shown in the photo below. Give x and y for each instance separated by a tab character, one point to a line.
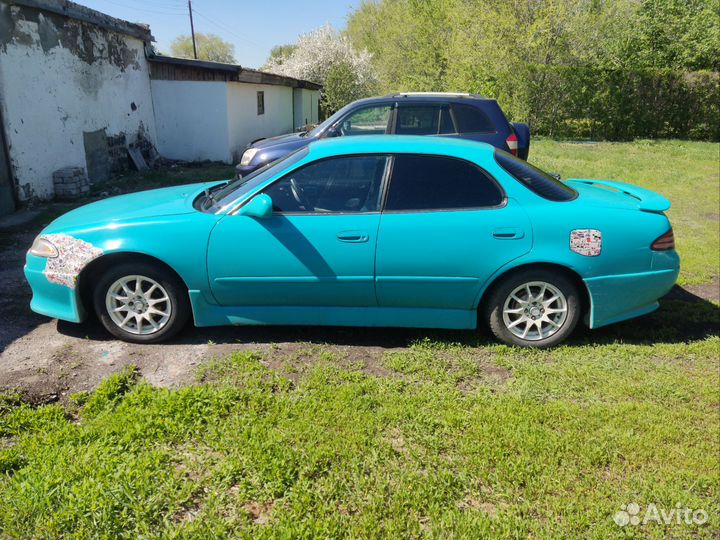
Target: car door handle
356	237
508	233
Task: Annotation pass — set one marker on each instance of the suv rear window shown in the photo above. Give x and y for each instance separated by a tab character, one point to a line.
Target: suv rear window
534	179
470	119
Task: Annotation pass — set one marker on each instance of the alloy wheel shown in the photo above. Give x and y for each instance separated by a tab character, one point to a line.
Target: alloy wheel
138	305
535	310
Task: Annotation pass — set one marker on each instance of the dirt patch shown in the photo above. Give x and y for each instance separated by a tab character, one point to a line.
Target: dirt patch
706	291
259	512
709	292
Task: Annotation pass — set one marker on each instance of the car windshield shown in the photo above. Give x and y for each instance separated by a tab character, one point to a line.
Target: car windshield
237	188
317	130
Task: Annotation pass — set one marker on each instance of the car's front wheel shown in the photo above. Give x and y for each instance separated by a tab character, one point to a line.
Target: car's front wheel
534	308
141	303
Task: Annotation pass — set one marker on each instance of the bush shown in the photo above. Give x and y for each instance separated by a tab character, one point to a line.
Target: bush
613	104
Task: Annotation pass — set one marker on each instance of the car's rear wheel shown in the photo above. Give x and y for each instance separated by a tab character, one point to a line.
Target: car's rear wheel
534	308
141	303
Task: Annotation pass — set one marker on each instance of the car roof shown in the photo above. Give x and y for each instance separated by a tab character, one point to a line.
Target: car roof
402	144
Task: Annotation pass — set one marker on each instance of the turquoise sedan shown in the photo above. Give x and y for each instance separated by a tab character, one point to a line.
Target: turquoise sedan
367	231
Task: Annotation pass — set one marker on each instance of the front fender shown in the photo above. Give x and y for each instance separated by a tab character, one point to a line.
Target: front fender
178	241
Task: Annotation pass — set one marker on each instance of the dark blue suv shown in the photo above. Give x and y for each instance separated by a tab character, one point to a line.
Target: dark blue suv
466	116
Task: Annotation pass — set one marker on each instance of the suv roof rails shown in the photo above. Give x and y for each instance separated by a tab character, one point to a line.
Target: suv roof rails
439	94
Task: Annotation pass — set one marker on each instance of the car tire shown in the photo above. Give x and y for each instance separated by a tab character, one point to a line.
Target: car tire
534	307
155	312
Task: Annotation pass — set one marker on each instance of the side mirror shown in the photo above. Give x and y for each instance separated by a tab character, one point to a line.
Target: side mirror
260	206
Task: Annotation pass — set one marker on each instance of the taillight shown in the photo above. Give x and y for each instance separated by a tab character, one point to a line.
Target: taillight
665	243
512	142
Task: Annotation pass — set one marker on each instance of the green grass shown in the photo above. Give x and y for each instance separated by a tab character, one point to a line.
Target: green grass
435	448
687	173
452	436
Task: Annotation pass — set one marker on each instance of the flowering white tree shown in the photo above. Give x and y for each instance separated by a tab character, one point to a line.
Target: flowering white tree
320	53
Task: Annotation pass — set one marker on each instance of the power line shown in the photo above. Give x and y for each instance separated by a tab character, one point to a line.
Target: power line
144	10
225	28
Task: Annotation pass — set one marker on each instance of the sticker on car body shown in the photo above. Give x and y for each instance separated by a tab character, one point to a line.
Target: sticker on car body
586	242
73	255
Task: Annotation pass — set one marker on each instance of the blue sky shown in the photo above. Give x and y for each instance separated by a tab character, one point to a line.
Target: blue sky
254	27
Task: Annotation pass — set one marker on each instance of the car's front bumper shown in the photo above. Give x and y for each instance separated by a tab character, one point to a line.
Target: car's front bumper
51	299
619	297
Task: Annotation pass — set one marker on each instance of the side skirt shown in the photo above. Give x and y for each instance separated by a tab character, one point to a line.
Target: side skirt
206	314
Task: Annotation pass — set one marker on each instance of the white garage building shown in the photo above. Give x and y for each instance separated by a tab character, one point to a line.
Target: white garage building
206	110
78	88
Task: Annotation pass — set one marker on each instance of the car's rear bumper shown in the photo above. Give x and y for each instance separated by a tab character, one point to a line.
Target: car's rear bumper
619	297
51	299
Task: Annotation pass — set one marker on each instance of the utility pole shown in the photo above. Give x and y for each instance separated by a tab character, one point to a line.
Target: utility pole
192	29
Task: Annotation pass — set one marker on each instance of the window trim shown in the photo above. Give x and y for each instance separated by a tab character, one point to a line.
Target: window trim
381	198
503	202
457	124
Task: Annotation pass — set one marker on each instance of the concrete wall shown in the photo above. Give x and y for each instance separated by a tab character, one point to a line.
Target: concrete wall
191	119
245	125
60	79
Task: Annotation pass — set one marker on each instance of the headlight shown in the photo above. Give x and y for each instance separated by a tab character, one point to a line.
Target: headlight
43	248
247	156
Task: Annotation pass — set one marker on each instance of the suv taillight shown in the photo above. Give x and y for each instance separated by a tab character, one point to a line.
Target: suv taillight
512	142
665	243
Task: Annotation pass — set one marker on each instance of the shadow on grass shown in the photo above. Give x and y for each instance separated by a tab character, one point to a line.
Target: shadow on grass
682	317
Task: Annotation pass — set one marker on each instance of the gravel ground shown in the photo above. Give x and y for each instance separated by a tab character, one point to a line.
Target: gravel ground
47	360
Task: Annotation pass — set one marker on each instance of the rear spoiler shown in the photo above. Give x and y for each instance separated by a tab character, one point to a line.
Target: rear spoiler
647	200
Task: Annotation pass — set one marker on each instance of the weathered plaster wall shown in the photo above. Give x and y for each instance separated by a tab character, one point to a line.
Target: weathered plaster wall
245	125
191	119
60	78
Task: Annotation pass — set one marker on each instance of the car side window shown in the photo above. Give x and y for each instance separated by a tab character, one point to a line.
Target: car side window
439	183
347	184
471	119
418	120
366	121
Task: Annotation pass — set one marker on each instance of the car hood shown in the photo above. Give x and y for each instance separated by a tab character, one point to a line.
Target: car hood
141	205
290	141
608	193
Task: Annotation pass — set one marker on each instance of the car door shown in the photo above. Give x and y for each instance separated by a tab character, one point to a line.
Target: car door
317	248
445	229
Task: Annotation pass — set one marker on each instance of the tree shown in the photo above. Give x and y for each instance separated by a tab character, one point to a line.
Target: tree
280	53
326	53
341	87
209	47
558	64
